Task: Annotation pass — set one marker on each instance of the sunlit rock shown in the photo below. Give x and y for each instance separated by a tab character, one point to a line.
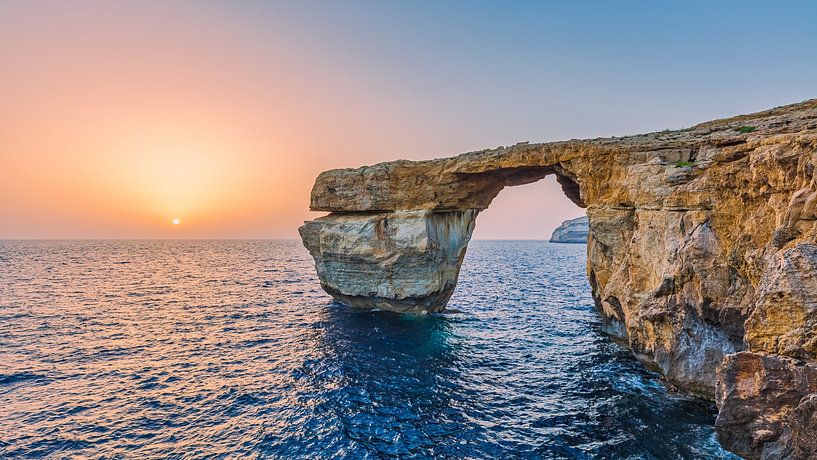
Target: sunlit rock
701	244
406	261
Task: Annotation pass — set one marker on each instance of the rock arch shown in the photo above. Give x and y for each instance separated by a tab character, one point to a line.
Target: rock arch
701	250
400	244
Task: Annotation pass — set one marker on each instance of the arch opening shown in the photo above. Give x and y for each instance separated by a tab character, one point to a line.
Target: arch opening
400	239
530	211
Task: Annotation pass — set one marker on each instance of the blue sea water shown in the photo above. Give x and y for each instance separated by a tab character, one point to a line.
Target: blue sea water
229	349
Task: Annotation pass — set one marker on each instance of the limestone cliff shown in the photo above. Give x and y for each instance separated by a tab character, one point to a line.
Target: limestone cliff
701	254
571	231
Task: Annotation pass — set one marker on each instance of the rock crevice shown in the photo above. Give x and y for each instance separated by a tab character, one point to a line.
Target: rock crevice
701	251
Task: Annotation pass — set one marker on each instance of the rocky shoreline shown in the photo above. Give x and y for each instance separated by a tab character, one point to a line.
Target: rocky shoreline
702	252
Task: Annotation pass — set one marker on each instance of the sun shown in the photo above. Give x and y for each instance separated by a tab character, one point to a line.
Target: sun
176	221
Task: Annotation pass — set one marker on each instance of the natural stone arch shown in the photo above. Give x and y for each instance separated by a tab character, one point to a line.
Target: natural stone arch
398	231
701	246
408	260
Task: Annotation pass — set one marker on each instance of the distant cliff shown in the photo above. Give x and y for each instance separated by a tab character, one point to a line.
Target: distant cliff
571	231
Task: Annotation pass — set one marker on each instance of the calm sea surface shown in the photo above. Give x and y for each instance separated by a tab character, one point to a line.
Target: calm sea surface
229	349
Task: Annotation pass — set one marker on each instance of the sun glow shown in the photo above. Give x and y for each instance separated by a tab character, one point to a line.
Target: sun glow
177	221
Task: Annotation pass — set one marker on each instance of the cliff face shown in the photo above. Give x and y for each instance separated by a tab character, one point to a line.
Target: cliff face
403	261
701	253
571	231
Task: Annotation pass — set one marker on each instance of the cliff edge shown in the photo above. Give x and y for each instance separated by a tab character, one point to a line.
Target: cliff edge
702	252
571	231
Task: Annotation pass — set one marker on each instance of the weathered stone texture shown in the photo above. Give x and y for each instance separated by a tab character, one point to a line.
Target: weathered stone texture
402	261
701	245
767	406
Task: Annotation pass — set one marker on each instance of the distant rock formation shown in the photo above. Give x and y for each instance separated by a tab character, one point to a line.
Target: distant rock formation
701	252
571	231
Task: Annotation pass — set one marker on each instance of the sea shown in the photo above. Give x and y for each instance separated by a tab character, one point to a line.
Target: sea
207	349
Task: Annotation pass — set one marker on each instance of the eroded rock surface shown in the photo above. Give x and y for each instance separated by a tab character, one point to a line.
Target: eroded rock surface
768	406
406	261
701	252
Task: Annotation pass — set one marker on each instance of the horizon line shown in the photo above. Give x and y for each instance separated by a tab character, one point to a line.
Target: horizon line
234	239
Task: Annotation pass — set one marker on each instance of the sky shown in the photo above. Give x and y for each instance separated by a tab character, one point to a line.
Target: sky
118	117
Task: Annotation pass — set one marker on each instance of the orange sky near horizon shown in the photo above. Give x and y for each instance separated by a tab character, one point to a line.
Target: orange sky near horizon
118	117
108	131
115	132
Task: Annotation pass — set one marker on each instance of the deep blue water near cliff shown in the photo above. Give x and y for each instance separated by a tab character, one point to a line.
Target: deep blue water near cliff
208	349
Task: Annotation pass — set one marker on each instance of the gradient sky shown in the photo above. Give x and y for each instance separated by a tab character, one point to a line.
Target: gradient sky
116	117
